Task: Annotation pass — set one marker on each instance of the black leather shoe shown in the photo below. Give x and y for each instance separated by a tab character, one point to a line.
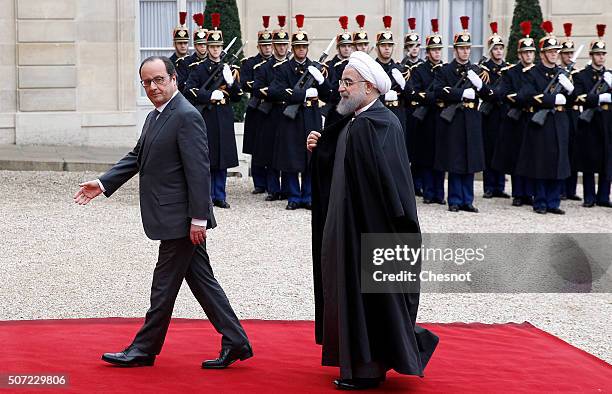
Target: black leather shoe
418	193
130	357
258	190
221	204
574	198
427	201
588	204
556	211
541	211
439	201
500	194
469	208
527	200
517	202
604	204
228	356
487	195
292	206
453	208
307	205
357	384
273	197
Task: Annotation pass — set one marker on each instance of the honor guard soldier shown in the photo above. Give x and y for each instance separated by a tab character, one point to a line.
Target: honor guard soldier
199	44
492	114
393	99
573	112
544	151
513	125
360	38
253	118
216	109
180	37
344	46
412	47
593	149
427	108
459	149
290	154
271	111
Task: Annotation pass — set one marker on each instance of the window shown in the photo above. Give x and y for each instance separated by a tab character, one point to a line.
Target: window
448	13
157	20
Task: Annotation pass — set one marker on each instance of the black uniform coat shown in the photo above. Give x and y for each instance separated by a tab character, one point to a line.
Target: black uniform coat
510	138
263	148
459	146
218	115
424	136
593	143
252	117
182	70
336	68
409	106
290	152
544	151
171	157
356	328
491	124
397	108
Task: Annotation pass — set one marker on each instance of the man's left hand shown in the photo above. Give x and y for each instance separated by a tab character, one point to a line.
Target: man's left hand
197	234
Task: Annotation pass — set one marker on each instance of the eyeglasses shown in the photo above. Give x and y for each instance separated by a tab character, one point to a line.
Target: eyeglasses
348	82
159	81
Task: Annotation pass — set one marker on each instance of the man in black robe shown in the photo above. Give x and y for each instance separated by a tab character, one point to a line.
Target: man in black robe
362	184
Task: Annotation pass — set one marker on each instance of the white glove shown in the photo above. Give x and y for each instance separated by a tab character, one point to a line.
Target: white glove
605	98
312	92
316	74
227	75
608	78
469	94
399	78
216	95
560	99
566	83
391	95
474	79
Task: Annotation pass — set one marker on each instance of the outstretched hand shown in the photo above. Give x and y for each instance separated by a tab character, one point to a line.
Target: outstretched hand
87	192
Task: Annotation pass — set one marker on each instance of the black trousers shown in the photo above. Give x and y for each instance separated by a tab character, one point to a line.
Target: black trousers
179	259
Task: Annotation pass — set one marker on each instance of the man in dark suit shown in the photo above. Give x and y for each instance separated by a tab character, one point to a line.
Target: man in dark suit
171	157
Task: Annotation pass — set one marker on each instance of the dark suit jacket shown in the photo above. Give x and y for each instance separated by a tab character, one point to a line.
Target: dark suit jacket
172	160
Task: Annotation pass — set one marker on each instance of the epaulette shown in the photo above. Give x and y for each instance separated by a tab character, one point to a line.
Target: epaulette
484	67
525	69
259	64
508	67
279	63
340	62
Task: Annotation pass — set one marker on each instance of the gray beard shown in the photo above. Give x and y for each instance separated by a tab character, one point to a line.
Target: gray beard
350	104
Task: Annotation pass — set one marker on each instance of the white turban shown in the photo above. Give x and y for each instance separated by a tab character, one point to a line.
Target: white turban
370	70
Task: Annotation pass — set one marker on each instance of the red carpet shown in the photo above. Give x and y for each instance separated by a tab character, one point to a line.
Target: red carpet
474	358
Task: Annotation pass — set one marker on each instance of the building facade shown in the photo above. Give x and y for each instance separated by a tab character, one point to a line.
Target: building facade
70	67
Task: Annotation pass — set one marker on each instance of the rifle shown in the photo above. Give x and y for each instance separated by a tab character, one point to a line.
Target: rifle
215	81
487	106
554	87
448	113
600	87
306	81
